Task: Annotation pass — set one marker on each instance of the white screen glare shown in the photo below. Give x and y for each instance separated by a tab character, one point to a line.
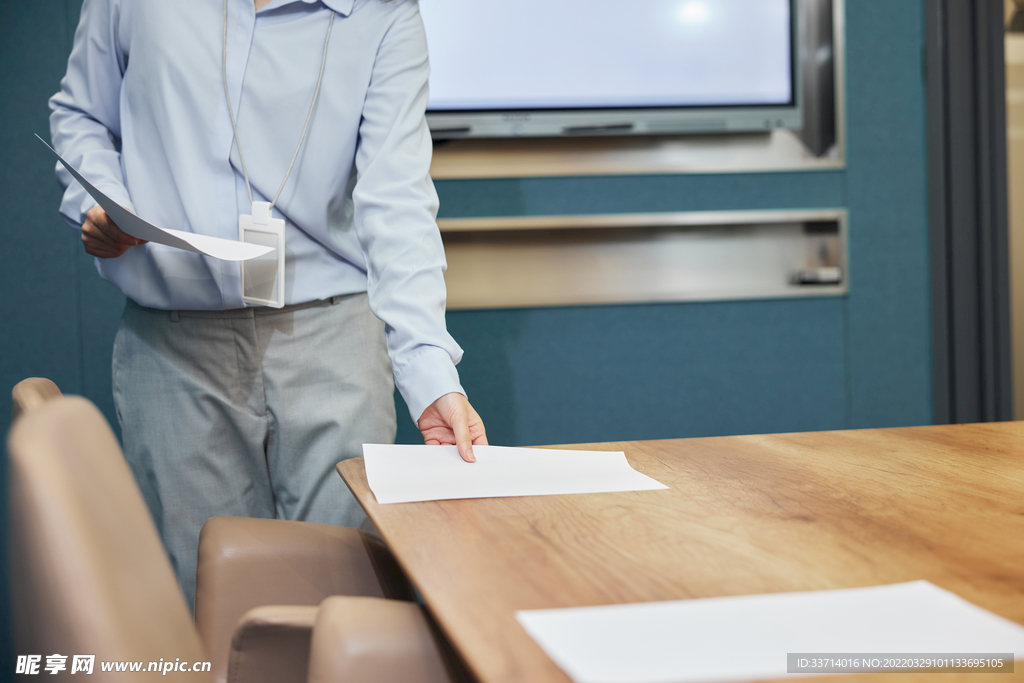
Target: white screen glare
555	54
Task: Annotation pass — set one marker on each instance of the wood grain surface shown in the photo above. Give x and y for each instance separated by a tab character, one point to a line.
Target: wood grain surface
744	515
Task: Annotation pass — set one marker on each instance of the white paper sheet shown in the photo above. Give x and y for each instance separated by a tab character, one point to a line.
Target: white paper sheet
405	474
748	637
228	250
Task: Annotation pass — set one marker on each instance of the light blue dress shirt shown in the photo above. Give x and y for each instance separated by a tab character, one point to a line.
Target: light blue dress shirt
142	113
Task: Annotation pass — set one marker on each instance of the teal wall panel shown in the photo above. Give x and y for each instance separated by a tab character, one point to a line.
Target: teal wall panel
638	194
614	373
887	194
38	277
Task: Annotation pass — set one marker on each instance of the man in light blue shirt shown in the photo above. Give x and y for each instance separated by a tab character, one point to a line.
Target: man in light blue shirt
144	115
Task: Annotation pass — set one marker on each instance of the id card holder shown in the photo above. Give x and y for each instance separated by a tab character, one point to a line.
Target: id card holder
263	277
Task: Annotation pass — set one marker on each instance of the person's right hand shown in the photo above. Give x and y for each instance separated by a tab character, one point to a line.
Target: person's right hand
102	237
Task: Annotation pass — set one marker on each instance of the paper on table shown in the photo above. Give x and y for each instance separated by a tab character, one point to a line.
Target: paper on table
228	250
748	637
405	474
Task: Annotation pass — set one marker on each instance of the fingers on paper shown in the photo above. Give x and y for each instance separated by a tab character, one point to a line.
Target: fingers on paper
451	420
444	435
463	439
476	428
466	426
103	238
98	244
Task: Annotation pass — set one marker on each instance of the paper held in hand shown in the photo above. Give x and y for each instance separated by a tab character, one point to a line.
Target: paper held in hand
405	474
227	250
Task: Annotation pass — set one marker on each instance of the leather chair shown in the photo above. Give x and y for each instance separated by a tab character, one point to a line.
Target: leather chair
354	640
31	393
89	575
245	563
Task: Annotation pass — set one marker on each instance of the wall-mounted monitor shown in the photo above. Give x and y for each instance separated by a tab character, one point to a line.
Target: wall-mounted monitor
574	67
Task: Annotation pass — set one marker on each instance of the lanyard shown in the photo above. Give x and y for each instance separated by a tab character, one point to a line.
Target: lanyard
234	128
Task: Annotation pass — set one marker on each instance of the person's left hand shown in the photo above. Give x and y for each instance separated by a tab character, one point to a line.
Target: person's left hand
451	420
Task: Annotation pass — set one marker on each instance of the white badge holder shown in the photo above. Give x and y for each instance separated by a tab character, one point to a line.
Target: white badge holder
263	277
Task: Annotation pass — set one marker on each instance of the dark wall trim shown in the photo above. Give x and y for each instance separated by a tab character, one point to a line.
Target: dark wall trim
965	73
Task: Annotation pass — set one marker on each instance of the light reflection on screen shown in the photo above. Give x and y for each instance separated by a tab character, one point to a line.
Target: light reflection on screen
546	54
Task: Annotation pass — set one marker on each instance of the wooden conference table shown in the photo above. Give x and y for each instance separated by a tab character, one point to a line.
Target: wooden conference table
744	515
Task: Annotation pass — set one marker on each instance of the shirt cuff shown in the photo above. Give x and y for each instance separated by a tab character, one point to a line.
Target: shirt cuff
76	204
425	377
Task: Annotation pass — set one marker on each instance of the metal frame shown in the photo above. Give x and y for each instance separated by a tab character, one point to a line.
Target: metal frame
678	219
490	238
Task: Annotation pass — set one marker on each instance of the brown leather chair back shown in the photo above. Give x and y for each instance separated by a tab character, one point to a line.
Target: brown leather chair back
31	393
89	575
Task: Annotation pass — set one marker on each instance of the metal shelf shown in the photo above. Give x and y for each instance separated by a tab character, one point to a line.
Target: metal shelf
634	258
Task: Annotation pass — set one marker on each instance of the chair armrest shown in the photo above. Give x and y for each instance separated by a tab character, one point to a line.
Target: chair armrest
374	641
245	562
31	393
271	645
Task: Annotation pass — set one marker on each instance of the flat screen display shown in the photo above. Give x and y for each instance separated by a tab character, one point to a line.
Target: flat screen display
558	55
534	61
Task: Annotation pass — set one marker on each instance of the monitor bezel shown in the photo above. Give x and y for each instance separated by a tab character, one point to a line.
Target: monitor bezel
647	120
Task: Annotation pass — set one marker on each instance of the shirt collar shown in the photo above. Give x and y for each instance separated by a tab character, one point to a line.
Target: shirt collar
342	7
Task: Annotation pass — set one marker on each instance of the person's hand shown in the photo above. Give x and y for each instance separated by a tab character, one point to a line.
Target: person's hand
102	237
451	420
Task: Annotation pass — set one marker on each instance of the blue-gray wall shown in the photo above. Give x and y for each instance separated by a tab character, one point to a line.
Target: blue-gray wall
570	374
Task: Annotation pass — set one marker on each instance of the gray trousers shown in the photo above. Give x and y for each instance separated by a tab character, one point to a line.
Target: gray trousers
246	412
